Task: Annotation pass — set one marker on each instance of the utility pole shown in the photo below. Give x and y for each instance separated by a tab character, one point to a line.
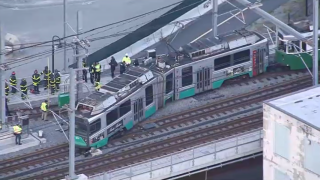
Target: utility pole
315	41
78	59
215	17
65	65
72	116
2	83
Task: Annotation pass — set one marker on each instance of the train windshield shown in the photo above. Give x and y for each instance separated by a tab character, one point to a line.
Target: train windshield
84	108
81	129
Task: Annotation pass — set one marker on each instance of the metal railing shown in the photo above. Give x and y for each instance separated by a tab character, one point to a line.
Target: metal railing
189	159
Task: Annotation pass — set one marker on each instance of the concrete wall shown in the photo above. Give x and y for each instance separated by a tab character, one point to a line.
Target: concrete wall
183	162
288	153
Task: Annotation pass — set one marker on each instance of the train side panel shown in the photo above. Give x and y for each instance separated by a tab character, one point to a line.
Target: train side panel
184	81
169	84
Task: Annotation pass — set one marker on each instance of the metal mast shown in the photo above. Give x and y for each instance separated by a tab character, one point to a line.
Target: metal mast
2	83
315	41
215	17
72	116
65	65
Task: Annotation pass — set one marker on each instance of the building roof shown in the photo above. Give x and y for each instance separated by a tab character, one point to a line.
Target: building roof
303	105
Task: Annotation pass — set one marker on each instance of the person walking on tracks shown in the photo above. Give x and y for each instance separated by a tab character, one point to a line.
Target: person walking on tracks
13	82
84	71
98	71
23	89
52	83
57	79
122	67
7	89
97	86
126	60
46	77
36	81
44	109
113	64
17	130
92	72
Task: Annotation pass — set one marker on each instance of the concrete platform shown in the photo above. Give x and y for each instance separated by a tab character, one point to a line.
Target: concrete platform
8	145
35	100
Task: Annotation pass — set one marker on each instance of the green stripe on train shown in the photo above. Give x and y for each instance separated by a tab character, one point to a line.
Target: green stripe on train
79	141
187	93
129	125
293	60
100	143
150	111
218	84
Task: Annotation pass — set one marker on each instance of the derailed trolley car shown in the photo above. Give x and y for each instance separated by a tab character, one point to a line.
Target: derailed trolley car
141	91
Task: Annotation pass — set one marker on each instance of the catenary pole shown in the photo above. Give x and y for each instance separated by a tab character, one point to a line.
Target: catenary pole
72	125
78	59
64	35
315	41
215	17
2	83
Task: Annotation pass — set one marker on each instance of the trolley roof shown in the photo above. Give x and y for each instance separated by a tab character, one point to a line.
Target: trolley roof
204	48
95	98
303	105
114	91
130	77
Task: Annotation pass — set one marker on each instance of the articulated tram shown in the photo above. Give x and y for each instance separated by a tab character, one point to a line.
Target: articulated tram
292	52
138	93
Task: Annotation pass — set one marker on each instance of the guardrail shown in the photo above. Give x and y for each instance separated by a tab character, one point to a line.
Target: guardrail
188	160
165	31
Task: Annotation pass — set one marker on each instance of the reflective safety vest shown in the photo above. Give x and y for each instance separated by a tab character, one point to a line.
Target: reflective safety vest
44	106
17	129
13	80
35	79
97	86
57	78
7	89
98	68
52	82
23	86
47	74
126	60
92	69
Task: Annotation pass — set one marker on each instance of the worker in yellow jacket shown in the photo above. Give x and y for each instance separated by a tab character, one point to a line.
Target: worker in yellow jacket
17	130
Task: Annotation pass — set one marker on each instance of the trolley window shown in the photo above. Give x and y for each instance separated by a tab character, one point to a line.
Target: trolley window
222	62
112	116
187	76
81	128
241	57
125	108
169	83
149	95
95	126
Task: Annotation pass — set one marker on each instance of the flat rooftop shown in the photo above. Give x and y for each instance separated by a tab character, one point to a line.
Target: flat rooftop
303	105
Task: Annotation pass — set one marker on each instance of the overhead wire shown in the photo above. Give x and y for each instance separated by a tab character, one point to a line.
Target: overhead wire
123	22
100	27
120	33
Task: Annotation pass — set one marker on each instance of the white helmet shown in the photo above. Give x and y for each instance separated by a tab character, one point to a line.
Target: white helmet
126	54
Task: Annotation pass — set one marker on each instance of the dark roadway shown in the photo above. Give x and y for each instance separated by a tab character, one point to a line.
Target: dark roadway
203	24
251	169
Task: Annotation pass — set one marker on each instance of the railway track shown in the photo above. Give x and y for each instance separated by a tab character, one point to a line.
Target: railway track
37	158
97	164
167	146
200	114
